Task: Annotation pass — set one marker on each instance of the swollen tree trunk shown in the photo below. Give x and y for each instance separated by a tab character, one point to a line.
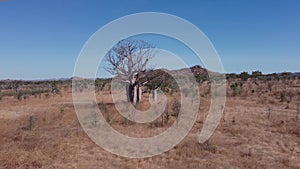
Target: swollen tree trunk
154	95
133	93
130	92
137	94
140	94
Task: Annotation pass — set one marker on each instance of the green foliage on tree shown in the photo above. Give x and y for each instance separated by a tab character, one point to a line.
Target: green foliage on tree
256	74
244	76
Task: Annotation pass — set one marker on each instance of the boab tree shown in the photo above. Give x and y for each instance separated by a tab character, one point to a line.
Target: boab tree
126	60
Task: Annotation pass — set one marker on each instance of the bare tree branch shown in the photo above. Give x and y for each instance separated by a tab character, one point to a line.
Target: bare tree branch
128	58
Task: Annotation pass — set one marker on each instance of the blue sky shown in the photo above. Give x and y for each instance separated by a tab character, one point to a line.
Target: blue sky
42	39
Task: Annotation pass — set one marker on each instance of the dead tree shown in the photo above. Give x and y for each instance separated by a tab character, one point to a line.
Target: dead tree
126	60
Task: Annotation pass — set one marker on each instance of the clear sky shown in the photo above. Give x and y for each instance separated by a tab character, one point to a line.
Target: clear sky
41	39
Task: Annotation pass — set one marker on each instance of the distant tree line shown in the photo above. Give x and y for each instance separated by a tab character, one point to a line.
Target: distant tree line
259	75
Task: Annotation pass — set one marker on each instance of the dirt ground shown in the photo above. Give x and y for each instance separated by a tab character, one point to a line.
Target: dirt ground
45	133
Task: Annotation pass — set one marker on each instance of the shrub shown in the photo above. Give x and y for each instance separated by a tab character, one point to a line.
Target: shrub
62	109
104	110
234	88
282	97
233	121
208	147
176	108
54	89
257	73
165	118
270	85
19	95
31	122
231	76
244	76
47	95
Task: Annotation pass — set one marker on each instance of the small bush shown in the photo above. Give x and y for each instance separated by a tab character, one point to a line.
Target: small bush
62	109
165	118
19	95
246	152
176	108
47	95
234	88
104	110
244	76
208	147
31	122
233	121
282	97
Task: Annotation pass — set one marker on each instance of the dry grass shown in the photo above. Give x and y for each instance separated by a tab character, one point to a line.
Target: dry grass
45	133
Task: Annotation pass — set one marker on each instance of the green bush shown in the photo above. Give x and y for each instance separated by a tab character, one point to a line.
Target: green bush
256	73
244	76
